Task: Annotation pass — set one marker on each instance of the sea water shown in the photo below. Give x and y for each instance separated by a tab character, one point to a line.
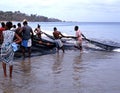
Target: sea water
96	30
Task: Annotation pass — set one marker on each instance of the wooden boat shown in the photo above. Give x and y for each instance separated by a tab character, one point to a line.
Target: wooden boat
42	43
69	43
45	46
39	47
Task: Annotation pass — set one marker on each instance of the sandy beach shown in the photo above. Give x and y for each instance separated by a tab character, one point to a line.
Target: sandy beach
69	72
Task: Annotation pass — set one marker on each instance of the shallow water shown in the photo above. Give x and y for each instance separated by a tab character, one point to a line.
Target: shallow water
69	72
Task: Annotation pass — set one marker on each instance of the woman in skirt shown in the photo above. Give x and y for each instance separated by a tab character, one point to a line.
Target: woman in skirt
7	52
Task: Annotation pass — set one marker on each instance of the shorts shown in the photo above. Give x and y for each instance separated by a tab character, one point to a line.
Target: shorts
26	43
59	43
78	44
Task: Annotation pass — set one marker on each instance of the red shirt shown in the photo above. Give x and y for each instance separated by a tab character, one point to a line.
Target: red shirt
1	30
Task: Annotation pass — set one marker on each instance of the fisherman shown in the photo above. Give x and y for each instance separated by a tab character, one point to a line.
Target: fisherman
57	35
38	31
27	37
79	38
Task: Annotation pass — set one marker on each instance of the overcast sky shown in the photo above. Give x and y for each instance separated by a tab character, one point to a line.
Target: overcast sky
68	10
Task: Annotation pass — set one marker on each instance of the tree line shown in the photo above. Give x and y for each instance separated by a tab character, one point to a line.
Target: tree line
18	16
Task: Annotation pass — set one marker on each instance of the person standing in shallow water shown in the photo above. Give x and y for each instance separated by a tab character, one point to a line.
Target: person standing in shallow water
7	52
57	35
27	36
79	38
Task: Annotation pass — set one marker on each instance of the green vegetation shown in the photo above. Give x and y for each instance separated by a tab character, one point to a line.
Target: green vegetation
18	16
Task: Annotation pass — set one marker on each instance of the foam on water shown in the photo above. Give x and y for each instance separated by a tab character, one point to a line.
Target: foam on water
117	50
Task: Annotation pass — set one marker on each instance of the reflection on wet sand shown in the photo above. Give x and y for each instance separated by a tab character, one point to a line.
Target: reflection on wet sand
69	72
77	69
7	86
26	74
26	66
57	69
21	73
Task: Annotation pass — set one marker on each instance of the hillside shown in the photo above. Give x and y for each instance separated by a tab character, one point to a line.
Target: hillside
18	16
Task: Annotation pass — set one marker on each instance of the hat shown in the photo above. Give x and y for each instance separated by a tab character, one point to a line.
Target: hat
25	20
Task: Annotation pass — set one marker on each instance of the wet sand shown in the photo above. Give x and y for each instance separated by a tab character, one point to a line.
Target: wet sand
69	72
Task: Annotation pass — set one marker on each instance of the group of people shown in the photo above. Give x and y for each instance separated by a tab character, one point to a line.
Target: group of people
23	35
7	53
58	35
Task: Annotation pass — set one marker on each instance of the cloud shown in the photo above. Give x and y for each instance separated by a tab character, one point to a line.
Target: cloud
66	9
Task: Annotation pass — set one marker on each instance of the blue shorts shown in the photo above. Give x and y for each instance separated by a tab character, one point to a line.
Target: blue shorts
26	43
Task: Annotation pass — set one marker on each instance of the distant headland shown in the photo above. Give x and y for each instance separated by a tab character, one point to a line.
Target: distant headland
18	16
